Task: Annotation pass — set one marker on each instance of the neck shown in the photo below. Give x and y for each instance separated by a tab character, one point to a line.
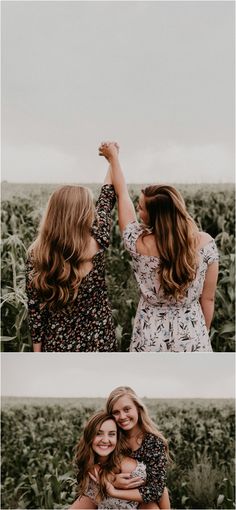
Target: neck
134	432
103	460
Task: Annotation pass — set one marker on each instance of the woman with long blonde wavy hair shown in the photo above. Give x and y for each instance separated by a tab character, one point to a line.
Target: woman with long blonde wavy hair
101	455
175	265
68	306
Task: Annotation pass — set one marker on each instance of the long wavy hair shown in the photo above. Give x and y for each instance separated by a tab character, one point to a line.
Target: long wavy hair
176	238
60	250
86	458
145	423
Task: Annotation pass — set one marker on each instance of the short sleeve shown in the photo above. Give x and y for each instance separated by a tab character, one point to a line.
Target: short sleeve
130	235
155	460
37	318
211	253
105	203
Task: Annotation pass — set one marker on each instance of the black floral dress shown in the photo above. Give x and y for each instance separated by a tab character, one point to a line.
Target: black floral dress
152	453
86	324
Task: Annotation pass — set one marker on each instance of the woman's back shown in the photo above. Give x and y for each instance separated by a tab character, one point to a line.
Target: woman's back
162	322
85	323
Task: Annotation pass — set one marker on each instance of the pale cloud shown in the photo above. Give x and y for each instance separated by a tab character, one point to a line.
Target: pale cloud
164	375
182	163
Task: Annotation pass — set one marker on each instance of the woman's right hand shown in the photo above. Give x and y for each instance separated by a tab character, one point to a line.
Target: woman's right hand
123	481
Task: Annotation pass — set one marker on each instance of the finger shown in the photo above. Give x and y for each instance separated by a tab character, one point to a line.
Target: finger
93	477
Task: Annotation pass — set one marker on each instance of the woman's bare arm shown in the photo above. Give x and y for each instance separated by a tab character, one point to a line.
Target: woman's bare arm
126	209
83	502
207	299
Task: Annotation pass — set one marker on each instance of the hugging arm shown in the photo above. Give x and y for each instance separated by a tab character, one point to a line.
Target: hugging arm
126	209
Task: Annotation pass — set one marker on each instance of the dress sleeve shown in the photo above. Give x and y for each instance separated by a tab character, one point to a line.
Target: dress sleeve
91	491
130	235
155	461
37	318
105	203
211	253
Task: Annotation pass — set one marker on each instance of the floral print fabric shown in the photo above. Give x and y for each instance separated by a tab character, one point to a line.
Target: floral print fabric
163	324
85	325
110	502
152	453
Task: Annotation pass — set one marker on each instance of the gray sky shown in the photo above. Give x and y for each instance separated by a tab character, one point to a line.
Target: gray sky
198	375
157	76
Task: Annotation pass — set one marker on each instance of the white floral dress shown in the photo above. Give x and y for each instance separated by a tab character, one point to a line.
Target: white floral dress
162	324
109	502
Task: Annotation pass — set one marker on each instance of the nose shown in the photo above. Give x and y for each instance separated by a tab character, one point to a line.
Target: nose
122	415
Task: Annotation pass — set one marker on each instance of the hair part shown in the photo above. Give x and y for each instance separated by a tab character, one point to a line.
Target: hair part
175	234
60	250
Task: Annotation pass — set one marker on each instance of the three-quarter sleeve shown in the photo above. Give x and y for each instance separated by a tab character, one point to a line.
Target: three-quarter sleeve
155	459
37	318
105	203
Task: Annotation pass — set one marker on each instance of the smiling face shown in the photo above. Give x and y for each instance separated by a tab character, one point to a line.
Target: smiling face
126	414
105	439
141	208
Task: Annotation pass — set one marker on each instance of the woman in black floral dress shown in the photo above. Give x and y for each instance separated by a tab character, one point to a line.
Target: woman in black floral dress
146	445
68	306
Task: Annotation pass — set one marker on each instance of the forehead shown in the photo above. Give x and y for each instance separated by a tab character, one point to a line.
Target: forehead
108	425
142	199
122	402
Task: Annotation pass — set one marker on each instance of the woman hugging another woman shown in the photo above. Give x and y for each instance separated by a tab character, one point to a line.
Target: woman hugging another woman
121	458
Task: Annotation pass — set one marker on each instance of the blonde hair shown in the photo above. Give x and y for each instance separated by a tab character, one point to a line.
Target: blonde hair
176	238
86	458
59	252
145	422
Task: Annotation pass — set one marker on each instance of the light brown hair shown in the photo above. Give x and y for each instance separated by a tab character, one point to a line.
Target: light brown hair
176	238
59	252
86	458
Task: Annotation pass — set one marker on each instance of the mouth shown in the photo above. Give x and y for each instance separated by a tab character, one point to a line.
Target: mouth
104	446
124	423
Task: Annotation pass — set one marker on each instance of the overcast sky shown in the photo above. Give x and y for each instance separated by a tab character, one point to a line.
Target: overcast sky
158	76
166	375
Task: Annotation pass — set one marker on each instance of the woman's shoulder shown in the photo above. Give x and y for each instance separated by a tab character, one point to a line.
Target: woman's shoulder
128	464
204	239
152	440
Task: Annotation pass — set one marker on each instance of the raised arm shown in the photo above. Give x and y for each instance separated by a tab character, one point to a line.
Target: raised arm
126	209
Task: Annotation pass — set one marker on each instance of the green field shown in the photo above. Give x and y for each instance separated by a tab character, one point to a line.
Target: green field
39	436
212	206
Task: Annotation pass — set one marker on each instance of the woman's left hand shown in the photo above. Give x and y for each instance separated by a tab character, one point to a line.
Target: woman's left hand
108	149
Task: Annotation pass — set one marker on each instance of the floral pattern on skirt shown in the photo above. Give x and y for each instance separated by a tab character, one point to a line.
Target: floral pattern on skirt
85	325
163	324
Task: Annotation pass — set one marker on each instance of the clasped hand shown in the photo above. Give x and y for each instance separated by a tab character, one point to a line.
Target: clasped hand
108	149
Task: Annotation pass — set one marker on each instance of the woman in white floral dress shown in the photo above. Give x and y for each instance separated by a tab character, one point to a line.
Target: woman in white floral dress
175	265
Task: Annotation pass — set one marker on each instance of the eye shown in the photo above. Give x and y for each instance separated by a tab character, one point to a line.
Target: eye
112	433
115	413
99	433
126	409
